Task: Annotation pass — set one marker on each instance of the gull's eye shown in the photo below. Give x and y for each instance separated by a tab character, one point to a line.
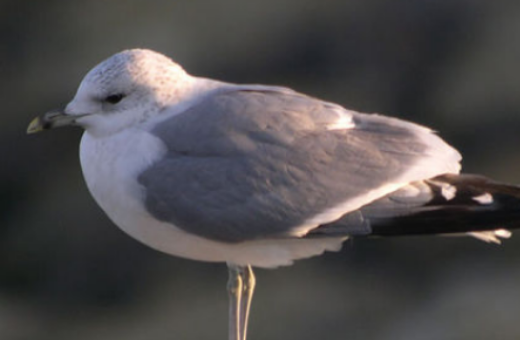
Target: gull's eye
114	98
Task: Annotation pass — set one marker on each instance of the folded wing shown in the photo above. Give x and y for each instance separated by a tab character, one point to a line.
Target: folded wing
251	164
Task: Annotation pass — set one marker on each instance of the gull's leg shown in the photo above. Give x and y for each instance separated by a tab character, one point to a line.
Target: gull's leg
241	286
249	282
235	289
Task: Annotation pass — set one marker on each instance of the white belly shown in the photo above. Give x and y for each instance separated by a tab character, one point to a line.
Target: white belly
111	166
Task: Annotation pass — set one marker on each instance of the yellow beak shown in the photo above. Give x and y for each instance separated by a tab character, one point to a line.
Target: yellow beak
50	120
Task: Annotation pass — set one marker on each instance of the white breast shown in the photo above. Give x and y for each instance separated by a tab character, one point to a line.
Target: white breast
111	166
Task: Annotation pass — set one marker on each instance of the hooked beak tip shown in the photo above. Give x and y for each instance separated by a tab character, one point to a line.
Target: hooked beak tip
36	125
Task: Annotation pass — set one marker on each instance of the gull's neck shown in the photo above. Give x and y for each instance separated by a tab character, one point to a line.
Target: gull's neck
193	90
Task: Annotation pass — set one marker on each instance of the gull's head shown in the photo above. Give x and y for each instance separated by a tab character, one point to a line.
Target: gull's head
124	90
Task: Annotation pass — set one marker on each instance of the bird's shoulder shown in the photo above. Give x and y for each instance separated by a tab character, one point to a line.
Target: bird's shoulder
259	113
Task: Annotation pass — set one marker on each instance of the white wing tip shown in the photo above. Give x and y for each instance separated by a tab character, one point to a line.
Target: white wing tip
492	236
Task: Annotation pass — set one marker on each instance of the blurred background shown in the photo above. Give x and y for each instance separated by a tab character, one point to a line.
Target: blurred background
67	273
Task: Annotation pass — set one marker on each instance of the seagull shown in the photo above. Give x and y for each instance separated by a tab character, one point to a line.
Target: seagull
261	176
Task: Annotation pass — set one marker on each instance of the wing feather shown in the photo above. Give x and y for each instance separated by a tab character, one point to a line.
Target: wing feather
254	164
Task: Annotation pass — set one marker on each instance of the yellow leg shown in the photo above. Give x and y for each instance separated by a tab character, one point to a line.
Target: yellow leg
234	288
241	286
249	283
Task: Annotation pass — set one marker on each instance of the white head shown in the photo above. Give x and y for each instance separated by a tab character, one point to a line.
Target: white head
125	89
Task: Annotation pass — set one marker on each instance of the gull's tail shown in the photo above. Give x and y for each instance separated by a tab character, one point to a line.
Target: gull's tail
457	204
447	204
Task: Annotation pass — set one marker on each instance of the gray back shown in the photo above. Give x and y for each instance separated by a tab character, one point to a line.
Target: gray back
244	165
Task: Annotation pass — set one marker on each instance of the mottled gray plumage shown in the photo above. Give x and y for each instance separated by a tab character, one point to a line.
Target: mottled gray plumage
243	165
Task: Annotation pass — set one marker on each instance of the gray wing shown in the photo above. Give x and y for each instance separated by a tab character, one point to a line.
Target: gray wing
244	165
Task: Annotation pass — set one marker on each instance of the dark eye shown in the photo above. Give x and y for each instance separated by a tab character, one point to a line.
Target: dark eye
114	98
